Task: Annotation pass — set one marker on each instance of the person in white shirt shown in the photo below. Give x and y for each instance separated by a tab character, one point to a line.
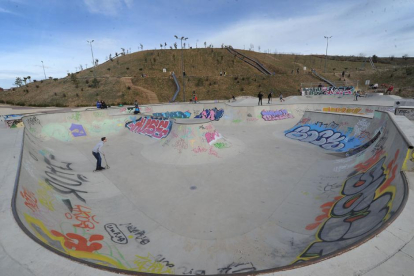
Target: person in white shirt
97	150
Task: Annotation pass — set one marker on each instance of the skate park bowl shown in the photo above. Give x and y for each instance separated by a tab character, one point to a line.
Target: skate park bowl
211	188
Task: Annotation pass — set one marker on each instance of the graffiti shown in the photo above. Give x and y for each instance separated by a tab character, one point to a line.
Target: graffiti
154	128
33	120
273	115
221	145
76	116
30	200
237	268
368	110
116	235
212	114
304	121
76	245
147	109
63	182
211	151
81	243
139	234
364	205
180	145
14	123
77	130
343	90
356	110
83	215
153	264
68	204
185	271
328	138
199	149
236	121
212	137
173	114
44	196
361	126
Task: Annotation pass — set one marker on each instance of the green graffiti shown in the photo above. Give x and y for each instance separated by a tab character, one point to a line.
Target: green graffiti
237	121
221	145
75	116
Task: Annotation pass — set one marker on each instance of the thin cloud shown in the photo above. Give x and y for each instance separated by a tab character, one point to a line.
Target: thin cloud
7	11
107	7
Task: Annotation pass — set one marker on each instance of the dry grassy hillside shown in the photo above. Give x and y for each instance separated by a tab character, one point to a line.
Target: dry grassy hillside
121	81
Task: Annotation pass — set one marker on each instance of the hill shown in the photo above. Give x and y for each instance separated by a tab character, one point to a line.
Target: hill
140	75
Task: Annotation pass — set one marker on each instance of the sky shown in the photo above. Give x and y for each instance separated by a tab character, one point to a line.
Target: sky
56	31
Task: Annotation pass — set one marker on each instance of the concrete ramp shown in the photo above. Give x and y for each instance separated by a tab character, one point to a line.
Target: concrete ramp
261	203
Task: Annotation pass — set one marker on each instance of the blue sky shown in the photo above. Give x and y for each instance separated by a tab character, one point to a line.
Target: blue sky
56	31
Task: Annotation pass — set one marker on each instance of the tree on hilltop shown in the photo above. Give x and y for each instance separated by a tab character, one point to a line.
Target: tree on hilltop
18	82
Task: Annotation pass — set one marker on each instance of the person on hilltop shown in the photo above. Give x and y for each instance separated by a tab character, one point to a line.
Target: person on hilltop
260	96
269	97
96	152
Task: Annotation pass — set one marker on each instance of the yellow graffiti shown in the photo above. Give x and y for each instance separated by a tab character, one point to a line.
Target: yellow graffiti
151	265
409	157
36	225
343	110
44	197
386	187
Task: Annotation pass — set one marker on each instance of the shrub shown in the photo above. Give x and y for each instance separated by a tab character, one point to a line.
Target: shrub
129	87
55	94
64	95
37	86
87	81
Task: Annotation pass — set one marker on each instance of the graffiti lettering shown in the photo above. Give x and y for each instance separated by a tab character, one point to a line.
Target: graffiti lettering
153	264
273	115
237	268
327	139
116	235
173	114
30	199
81	243
139	234
355	110
14	123
44	197
363	207
82	215
154	128
212	114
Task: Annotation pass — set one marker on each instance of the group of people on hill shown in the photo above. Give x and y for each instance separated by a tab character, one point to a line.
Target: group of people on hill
101	105
269	97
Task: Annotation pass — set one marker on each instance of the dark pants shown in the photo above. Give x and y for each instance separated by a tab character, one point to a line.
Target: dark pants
260	101
98	158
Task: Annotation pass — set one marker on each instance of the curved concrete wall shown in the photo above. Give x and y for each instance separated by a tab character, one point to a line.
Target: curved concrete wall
331	206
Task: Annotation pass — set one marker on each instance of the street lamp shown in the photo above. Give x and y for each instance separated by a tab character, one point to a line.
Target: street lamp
44	72
326	54
182	61
93	60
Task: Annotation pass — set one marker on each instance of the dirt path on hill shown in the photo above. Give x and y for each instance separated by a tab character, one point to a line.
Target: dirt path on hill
152	97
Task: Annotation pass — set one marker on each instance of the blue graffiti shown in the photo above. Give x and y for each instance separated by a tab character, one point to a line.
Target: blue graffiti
212	114
326	138
172	114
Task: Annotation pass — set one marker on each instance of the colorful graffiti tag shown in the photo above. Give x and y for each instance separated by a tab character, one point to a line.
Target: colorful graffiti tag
154	128
331	90
364	205
14	123
172	114
273	115
356	110
77	130
322	135
212	114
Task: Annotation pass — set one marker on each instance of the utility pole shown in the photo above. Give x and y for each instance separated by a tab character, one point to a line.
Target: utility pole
44	72
93	60
182	61
326	54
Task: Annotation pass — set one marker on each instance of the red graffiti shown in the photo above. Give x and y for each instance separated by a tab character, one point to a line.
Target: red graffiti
392	167
326	208
154	128
212	136
30	200
83	215
76	242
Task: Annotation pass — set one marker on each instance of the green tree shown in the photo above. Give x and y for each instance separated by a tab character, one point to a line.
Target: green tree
374	59
18	82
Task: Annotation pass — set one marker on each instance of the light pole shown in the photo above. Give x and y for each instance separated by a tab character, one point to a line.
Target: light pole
182	61
326	54
93	60
44	72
